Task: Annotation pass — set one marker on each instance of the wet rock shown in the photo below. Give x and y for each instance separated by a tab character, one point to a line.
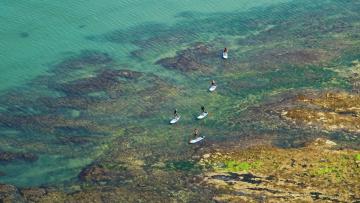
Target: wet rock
11	156
9	193
273	178
331	111
94	173
247	177
321	142
33	194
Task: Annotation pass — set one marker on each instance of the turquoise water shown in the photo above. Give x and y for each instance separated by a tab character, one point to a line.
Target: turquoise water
62	102
54	29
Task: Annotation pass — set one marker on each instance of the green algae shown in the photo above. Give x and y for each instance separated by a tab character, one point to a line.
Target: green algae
234	166
303	170
326	170
182	166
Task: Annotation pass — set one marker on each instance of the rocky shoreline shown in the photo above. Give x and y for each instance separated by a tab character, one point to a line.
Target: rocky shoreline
315	173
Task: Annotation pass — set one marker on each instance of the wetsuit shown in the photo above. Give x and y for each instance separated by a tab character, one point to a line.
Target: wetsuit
196	133
175	113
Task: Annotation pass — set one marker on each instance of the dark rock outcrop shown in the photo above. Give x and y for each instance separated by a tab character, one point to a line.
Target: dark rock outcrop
11	156
188	60
9	193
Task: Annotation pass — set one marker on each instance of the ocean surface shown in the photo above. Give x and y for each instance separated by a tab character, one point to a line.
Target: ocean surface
62	107
35	34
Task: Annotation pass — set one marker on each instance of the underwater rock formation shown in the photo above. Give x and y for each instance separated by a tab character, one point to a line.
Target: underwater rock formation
189	60
47	123
103	81
95	173
11	156
295	57
98	173
84	60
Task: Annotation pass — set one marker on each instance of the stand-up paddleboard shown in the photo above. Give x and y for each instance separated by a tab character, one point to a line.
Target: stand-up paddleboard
212	88
174	120
193	141
202	115
225	55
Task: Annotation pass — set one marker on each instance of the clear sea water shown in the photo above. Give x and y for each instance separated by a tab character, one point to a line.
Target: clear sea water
36	36
53	28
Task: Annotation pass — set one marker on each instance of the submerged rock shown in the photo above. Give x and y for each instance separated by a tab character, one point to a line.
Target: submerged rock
94	173
83	60
54	104
50	124
189	60
33	194
102	174
104	81
12	156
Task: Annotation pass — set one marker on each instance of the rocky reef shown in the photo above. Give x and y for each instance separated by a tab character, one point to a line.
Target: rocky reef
190	59
331	111
11	156
316	172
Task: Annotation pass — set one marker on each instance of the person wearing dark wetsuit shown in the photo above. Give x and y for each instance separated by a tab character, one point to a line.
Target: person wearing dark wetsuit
203	109
196	133
213	83
175	113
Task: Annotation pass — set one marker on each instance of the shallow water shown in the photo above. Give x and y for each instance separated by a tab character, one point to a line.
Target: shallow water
59	104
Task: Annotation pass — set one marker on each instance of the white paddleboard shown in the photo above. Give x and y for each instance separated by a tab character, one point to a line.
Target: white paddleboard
212	88
174	120
193	141
203	115
225	55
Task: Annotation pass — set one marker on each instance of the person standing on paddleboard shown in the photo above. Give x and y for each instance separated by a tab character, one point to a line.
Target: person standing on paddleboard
196	133
225	53
213	83
203	109
175	113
